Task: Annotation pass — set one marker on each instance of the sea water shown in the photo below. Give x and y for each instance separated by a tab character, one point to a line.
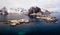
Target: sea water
37	27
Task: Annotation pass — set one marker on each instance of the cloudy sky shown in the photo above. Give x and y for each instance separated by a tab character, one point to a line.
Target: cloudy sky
46	4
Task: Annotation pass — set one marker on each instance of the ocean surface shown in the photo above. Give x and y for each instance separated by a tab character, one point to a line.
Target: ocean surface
37	27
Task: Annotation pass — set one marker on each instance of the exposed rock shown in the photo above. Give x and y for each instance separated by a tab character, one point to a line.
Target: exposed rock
48	19
16	22
3	11
13	24
34	10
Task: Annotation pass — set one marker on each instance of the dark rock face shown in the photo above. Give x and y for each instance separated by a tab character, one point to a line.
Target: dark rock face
47	12
6	13
37	9
0	10
34	10
3	10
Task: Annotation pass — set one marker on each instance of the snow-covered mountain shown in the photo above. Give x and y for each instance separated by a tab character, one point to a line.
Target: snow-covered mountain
51	5
18	10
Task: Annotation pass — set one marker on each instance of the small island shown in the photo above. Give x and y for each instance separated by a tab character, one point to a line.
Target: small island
46	16
17	22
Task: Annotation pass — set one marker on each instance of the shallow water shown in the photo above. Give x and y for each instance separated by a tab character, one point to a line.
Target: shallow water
36	27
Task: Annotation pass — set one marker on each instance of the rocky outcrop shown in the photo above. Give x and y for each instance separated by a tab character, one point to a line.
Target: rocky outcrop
34	10
17	22
3	11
